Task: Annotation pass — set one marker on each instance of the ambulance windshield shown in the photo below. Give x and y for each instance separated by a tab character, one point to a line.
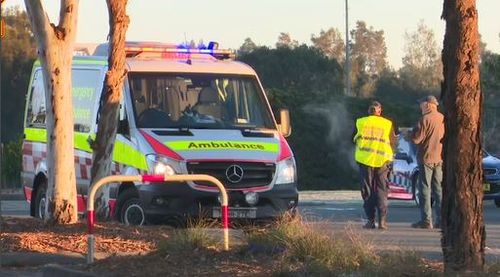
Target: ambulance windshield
205	101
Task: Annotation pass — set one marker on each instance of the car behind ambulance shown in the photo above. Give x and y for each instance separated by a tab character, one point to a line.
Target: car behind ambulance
184	111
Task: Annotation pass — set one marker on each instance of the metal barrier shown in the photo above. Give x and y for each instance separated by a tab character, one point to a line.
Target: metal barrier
152	179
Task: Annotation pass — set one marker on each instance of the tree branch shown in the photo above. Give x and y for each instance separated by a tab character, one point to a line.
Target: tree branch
67	17
39	21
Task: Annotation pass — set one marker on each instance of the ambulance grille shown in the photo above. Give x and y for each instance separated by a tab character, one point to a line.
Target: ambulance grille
254	174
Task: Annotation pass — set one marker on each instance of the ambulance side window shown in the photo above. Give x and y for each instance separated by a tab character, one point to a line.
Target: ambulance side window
123	127
85	85
36	105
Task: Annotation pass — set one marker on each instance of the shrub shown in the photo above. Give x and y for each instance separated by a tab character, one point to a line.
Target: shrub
12	163
311	251
195	236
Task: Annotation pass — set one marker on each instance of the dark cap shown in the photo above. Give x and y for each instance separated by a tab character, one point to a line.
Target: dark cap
431	99
375	104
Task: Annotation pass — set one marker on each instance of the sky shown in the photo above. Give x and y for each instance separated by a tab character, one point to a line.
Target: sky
230	22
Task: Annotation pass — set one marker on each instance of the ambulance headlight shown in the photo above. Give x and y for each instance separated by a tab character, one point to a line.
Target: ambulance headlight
286	172
252	198
160	165
164	169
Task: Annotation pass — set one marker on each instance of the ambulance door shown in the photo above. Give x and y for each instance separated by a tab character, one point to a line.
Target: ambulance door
87	82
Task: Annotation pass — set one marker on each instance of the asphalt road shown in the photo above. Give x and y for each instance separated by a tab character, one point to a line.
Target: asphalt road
339	215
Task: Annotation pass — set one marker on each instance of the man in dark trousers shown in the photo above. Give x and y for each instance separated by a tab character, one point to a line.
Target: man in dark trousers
428	135
374	138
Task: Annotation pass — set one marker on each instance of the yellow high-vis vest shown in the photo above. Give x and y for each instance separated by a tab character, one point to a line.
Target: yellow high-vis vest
373	146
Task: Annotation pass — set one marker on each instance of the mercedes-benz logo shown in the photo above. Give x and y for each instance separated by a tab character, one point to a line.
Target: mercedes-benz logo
234	173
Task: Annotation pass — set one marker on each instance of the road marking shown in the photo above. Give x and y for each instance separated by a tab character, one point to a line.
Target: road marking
337	209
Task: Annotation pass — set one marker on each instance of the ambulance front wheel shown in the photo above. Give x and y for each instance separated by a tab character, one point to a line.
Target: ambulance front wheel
41	201
130	210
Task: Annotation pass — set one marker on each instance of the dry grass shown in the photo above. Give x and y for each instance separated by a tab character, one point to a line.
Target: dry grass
194	236
305	250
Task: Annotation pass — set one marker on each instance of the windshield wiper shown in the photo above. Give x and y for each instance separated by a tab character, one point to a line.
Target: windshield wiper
255	132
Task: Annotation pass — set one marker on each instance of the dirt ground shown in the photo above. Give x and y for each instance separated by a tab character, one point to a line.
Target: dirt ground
130	251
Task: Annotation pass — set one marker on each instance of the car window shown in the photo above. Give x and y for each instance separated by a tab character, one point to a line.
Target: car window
85	83
403	146
36	107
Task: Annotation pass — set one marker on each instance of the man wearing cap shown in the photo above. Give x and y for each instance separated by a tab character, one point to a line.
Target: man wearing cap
428	135
374	138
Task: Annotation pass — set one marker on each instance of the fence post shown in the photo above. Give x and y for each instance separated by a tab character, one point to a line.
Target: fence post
151	178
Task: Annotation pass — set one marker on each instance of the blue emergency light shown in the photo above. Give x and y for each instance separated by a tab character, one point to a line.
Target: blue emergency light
136	49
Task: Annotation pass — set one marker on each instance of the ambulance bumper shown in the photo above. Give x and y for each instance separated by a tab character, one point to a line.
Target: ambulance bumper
165	200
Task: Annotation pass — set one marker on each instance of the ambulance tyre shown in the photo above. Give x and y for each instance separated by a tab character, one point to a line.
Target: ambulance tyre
130	210
497	203
41	200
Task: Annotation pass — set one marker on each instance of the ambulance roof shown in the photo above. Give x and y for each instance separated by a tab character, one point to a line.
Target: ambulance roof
161	57
210	65
165	57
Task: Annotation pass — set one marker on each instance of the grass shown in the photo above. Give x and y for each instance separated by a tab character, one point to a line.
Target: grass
298	248
306	250
196	235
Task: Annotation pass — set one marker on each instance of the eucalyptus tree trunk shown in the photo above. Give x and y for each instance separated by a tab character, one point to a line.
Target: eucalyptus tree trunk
55	51
110	102
463	232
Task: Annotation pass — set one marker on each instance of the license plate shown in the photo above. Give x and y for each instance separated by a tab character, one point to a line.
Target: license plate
236	212
486	187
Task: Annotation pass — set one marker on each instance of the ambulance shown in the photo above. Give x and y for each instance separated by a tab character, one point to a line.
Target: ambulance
183	111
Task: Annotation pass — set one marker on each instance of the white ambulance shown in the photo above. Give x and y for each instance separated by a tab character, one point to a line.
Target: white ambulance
184	111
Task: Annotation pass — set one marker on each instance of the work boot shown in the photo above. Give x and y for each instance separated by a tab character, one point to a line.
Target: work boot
382	222
370	224
422	225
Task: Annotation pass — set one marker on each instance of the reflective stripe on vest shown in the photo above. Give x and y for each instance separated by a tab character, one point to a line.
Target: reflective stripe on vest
373	146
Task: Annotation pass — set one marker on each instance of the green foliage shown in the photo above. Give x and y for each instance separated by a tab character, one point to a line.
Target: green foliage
304	69
12	162
286	41
330	43
422	68
368	58
308	83
490	86
17	55
247	46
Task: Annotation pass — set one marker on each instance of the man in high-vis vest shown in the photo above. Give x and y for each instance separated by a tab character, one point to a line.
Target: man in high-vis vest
374	139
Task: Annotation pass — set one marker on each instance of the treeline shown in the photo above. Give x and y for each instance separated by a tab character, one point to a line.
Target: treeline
17	56
308	80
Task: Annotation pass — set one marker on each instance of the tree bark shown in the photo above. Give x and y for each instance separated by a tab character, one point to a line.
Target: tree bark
55	51
463	232
110	102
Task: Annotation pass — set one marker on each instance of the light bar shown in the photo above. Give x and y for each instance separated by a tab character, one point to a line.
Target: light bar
181	53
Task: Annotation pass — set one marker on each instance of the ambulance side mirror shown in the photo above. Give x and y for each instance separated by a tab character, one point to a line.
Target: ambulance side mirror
123	127
284	126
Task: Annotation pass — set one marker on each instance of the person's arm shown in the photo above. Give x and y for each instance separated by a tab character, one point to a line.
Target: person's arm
393	139
418	132
353	136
